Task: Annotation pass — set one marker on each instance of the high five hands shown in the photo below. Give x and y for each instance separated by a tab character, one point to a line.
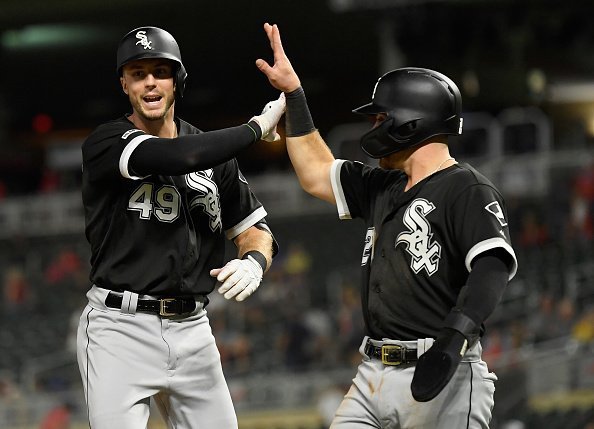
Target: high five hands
281	74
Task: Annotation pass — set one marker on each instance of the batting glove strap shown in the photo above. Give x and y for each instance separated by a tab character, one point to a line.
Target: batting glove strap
240	278
269	118
460	322
256	130
258	256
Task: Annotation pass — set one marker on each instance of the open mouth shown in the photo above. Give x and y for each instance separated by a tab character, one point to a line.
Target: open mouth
151	98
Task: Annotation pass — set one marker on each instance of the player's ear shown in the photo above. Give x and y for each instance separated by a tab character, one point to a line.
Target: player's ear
124	85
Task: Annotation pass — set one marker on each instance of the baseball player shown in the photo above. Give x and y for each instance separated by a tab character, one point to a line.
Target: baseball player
437	254
160	198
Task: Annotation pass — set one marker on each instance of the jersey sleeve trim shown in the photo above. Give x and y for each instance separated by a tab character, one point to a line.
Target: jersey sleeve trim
127	152
492	243
341	203
255	217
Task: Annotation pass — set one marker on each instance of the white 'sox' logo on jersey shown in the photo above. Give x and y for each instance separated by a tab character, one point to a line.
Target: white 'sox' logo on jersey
425	254
208	196
143	40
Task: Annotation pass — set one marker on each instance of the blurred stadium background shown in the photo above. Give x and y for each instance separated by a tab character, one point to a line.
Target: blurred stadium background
526	71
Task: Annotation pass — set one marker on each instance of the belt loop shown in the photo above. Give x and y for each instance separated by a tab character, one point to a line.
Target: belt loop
424	344
129	302
363	349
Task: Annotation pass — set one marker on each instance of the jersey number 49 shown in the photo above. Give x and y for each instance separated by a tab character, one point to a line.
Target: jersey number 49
164	202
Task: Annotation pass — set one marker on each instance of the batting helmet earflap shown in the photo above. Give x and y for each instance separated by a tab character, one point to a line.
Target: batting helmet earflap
152	42
419	104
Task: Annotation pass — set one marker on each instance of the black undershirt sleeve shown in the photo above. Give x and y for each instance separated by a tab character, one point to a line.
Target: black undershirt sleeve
193	152
485	285
463	325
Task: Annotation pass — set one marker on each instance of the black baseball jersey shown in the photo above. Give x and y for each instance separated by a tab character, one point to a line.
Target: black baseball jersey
159	235
419	244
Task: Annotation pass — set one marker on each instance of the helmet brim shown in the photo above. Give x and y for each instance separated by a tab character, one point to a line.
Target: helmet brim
147	56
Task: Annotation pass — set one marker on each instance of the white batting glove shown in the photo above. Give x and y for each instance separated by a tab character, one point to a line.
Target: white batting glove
269	118
240	278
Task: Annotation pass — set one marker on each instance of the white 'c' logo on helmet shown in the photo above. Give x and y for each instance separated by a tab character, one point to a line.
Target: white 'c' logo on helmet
143	40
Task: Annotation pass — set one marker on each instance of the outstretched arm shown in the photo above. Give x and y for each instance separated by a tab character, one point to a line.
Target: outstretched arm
309	154
192	152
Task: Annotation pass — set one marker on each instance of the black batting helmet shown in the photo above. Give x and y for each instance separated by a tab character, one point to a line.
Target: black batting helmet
419	104
152	42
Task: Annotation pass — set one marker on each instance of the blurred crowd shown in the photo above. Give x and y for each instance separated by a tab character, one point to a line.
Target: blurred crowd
307	315
288	320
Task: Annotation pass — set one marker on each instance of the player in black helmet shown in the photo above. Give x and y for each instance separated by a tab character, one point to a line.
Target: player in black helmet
437	254
160	197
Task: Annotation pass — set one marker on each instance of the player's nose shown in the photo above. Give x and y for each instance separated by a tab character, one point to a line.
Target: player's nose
149	80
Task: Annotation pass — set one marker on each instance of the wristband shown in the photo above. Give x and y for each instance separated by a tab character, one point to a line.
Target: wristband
255	127
258	256
298	120
460	322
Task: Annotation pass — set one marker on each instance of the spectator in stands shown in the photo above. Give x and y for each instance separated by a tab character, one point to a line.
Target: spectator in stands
584	183
494	347
58	417
565	315
67	265
16	290
350	324
583	329
294	340
50	181
553	319
297	266
322	342
581	220
298	260
534	233
9	390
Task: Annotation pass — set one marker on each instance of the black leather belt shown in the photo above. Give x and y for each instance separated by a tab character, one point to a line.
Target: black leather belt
391	354
174	306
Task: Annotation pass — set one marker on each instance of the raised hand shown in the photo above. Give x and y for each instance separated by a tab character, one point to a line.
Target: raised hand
281	74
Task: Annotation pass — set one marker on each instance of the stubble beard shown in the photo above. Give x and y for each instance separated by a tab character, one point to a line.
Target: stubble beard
152	115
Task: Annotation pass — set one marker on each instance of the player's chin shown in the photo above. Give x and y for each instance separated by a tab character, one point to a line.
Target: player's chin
153	114
155	111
